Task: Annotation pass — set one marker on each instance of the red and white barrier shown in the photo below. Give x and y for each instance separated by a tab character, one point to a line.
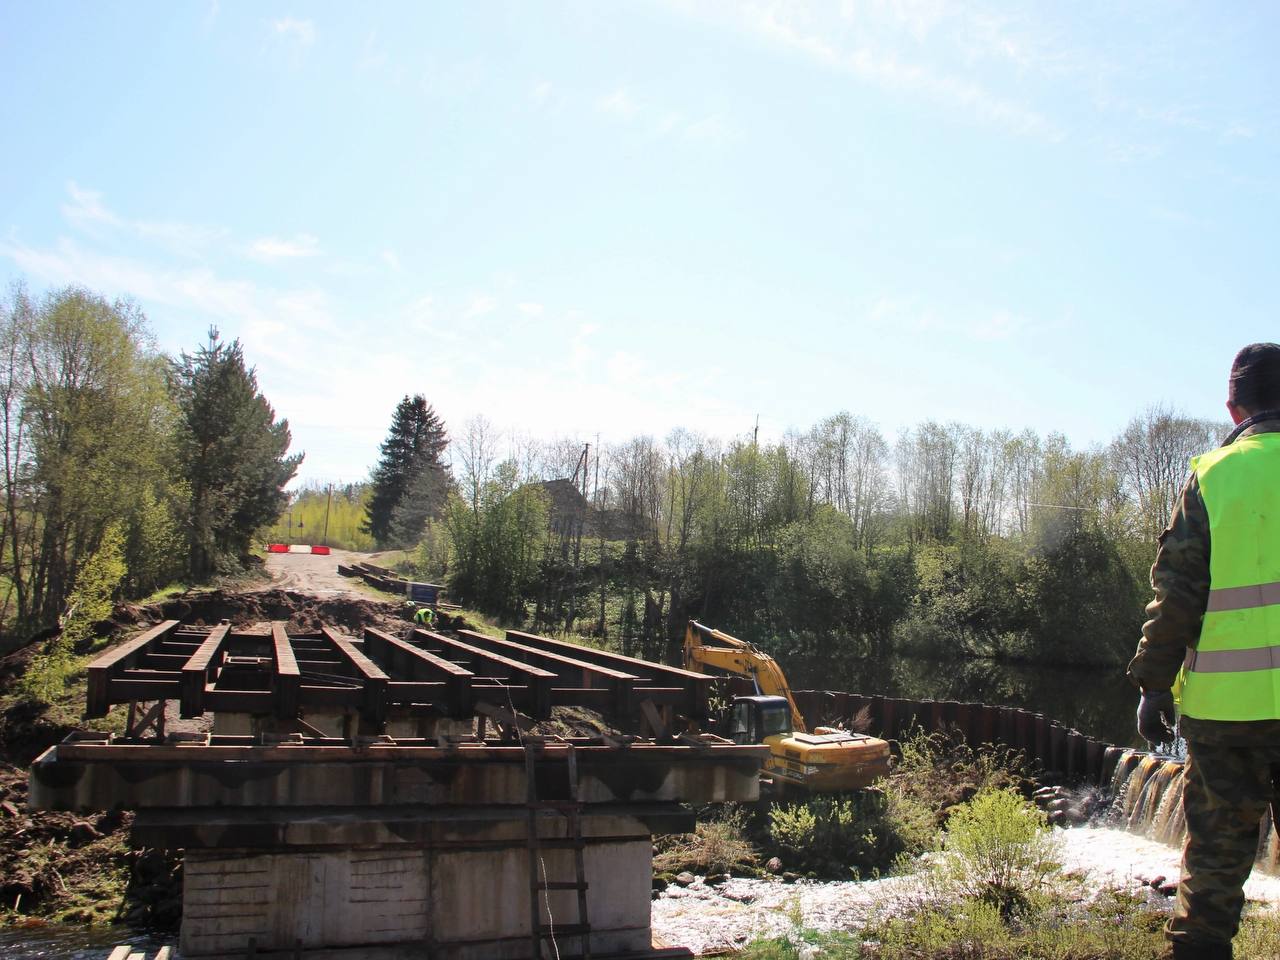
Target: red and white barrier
315	548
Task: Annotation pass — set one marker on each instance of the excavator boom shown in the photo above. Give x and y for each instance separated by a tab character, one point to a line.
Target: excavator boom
825	759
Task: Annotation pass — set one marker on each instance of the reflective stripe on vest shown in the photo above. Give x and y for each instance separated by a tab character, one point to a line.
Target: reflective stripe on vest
1234	672
1243	598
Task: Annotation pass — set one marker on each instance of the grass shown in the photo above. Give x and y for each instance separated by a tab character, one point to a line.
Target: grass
719	845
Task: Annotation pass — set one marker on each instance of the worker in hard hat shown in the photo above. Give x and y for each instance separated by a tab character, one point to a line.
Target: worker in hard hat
1212	645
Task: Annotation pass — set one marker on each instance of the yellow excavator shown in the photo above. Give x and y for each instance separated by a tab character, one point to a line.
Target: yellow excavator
826	759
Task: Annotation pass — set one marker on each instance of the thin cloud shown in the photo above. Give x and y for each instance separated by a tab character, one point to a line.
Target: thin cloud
302	32
276	248
887	68
479	306
87	207
618	103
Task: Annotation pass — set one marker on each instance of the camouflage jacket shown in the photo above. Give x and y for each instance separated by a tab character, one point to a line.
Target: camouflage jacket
1180	579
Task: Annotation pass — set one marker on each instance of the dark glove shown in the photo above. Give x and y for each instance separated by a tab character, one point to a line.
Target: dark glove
1156	718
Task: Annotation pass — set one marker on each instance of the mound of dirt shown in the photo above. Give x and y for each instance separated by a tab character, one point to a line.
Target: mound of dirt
70	868
301	612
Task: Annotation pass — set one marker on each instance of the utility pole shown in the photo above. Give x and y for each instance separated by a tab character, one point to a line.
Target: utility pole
327	505
755	434
600	534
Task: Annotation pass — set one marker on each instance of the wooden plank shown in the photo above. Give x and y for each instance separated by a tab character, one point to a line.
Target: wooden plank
99	698
286	678
198	671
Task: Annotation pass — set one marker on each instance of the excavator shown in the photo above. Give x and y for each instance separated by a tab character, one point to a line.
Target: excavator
828	759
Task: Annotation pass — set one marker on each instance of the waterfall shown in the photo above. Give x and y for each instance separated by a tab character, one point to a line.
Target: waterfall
1146	792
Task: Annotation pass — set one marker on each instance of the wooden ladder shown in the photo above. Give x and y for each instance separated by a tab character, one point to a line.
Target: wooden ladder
539	883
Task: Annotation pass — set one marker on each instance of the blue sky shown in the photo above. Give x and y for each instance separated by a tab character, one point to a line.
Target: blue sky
581	218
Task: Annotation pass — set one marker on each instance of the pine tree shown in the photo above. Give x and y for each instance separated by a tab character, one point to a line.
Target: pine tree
414	447
232	451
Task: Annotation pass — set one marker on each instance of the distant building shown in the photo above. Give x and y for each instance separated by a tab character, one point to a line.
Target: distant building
570	512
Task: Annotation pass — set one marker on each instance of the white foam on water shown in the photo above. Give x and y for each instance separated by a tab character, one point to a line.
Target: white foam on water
1120	859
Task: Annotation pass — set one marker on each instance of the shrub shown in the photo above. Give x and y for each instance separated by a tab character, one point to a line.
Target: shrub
716	846
861	833
998	848
942	771
88	603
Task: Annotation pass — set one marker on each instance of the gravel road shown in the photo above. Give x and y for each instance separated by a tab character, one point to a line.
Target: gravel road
315	575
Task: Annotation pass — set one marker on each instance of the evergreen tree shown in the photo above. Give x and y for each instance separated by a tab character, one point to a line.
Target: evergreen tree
232	452
413	449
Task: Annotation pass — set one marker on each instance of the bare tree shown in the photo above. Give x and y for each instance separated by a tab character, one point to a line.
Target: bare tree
1152	457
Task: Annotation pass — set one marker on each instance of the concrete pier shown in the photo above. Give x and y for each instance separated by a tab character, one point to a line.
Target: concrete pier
403	848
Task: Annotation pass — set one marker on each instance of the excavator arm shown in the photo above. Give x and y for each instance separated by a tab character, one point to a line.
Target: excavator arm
705	647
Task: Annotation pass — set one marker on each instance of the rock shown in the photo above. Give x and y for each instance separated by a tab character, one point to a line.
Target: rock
9	807
660	884
773	865
83	832
714	878
1157	881
790	877
684	878
1169	889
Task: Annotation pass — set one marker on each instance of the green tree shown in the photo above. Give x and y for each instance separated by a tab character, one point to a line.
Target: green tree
86	421
413	450
232	452
498	543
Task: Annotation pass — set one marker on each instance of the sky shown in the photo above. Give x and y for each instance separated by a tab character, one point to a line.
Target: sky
582	219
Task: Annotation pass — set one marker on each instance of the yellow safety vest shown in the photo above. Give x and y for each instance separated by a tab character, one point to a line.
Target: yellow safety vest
1234	672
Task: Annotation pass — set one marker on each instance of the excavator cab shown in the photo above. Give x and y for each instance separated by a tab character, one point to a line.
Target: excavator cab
752	719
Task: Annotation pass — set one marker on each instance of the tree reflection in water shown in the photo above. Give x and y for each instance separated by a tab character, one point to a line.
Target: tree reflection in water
1097	701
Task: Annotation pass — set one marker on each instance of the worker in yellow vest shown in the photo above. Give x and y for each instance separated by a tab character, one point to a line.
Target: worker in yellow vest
425	617
1211	644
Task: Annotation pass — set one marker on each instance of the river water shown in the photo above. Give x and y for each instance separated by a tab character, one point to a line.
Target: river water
53	942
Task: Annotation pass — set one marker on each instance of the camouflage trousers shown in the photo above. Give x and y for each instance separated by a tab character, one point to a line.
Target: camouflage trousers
1227	791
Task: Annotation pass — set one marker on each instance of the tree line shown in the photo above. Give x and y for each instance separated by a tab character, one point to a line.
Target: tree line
834	540
123	469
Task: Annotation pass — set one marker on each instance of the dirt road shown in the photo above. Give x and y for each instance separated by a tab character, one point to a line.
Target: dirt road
315	575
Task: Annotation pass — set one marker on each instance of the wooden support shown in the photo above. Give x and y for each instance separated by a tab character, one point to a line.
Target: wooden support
653	718
152	719
511	726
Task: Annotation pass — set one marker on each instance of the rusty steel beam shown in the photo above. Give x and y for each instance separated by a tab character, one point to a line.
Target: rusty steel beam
111	663
286	678
374	704
538	681
415	664
656	679
199	670
579	673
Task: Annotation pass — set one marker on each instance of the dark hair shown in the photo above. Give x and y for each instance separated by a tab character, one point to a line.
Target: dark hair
1255	378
